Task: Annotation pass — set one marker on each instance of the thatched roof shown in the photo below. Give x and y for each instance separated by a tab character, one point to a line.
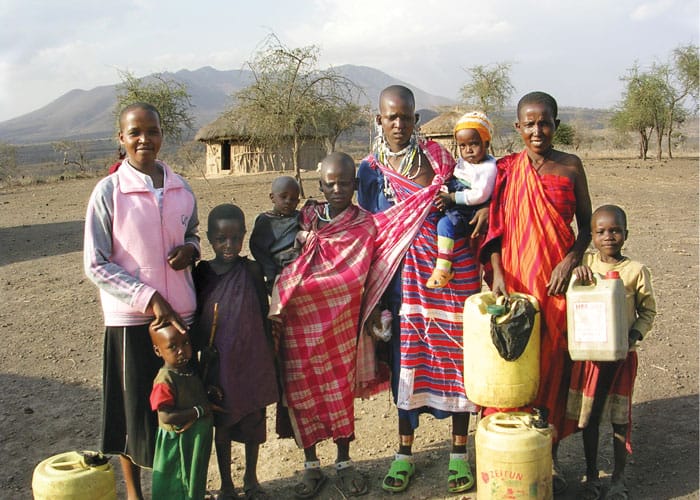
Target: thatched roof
230	127
225	127
441	125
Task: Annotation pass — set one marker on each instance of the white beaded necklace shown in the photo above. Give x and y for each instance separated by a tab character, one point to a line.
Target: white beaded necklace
408	153
326	215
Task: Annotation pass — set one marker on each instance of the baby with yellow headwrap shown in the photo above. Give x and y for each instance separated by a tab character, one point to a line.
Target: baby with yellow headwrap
469	190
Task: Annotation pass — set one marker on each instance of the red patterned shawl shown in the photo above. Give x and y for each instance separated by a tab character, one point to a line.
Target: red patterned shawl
319	297
532	217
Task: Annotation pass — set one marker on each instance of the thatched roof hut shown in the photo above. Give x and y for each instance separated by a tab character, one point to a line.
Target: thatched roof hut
230	148
440	129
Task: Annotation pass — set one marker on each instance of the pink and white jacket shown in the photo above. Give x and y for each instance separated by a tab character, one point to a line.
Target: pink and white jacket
127	240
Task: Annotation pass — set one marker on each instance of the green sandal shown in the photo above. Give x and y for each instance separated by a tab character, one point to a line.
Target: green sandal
460	474
401	470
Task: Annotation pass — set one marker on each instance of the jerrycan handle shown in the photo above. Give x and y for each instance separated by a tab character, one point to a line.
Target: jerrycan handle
499	308
575	282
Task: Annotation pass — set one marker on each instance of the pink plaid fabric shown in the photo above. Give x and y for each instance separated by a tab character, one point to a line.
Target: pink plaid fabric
318	298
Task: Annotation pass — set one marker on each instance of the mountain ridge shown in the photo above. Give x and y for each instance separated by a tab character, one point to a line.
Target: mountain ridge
89	114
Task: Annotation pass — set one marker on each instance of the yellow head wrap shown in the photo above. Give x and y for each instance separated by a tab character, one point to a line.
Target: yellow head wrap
479	122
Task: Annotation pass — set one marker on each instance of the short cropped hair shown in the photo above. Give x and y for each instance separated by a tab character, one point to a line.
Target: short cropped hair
226	211
539	98
139	105
612	209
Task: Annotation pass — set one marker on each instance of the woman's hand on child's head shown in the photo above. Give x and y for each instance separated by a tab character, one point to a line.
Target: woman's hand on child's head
165	314
181	256
480	222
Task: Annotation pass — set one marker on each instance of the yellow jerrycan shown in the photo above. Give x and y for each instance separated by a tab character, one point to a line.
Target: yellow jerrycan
596	319
513	457
489	379
74	476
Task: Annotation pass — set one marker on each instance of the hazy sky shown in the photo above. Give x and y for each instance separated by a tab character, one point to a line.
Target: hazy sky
574	49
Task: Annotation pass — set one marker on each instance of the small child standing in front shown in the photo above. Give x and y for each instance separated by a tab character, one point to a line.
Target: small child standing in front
141	236
469	190
598	389
272	241
183	443
246	374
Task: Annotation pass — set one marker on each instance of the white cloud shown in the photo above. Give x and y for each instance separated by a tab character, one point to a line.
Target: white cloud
651	10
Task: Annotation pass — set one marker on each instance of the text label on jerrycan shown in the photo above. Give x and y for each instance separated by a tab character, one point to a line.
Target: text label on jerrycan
514	457
596	319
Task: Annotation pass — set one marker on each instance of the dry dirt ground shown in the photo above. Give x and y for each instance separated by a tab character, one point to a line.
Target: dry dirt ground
50	325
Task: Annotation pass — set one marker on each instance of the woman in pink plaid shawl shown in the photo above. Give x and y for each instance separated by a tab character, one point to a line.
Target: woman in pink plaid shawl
316	303
398	183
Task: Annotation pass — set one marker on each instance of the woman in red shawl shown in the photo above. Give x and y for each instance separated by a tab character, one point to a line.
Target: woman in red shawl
531	244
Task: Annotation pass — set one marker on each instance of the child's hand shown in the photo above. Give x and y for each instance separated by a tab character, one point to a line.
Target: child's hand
213	408
374	321
181	256
215	394
584	274
443	200
634	337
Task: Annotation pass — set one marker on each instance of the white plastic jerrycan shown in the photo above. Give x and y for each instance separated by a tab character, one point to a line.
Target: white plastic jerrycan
596	319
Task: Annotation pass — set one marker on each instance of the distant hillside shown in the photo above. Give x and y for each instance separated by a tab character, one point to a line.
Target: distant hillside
88	114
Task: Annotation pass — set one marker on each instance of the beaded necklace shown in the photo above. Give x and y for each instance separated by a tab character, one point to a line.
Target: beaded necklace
326	215
409	153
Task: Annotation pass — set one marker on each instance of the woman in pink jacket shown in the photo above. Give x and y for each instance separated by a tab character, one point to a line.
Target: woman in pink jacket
141	236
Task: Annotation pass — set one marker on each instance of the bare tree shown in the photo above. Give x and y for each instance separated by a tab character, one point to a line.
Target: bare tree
74	153
8	160
682	78
290	97
489	90
170	97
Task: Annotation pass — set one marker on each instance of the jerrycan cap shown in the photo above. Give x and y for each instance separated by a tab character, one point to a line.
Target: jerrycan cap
496	309
612	275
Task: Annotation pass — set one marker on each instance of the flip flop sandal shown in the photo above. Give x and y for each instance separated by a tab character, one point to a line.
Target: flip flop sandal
439	278
256	493
220	495
311	481
559	484
350	481
618	491
459	471
592	490
401	470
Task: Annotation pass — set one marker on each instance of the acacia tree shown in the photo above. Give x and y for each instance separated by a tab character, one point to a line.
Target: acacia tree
74	153
169	96
334	120
489	90
643	108
8	160
290	97
682	78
